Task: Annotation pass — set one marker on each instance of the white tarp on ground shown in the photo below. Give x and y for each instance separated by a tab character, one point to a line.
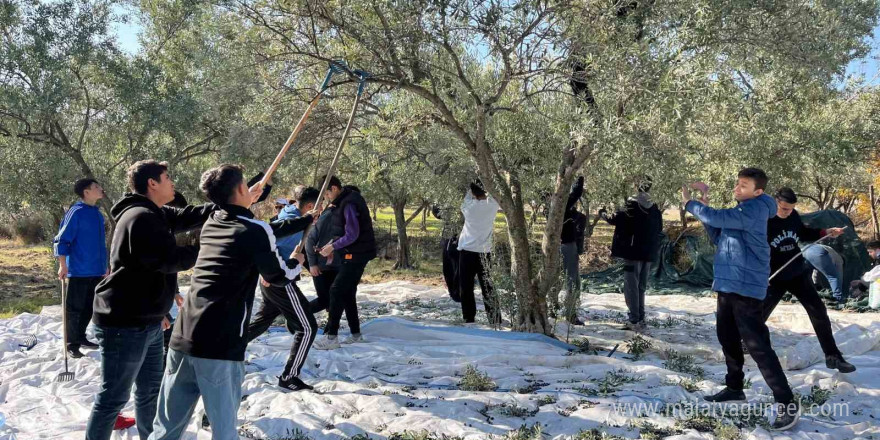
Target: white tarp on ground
406	376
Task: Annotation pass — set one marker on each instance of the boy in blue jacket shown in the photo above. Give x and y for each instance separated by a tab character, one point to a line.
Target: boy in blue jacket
742	269
81	250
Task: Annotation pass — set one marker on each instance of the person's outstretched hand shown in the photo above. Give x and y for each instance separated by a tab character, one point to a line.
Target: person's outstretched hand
835	232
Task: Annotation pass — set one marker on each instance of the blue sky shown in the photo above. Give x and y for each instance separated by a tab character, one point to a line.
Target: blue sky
127	34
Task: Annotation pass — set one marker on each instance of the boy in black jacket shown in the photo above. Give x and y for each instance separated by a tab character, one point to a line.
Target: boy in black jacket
206	357
783	234
637	231
131	302
289	301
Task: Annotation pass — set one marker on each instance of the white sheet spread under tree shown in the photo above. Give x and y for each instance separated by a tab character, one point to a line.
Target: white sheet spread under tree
406	378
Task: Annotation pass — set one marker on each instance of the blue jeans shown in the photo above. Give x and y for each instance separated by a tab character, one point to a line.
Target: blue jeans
129	356
828	265
186	378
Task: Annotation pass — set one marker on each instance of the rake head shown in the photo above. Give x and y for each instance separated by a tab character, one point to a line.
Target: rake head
338	66
362	75
28	343
66	376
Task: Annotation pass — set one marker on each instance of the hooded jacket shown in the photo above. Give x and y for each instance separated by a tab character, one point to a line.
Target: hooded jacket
742	255
235	250
638	229
143	257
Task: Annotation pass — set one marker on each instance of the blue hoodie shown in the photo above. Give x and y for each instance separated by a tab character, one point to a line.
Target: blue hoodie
287	244
742	255
81	239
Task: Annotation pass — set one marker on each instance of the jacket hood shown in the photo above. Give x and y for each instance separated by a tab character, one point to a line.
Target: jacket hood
763	202
131	200
289	212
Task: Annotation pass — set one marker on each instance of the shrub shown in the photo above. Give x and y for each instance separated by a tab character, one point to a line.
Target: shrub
30	230
475	380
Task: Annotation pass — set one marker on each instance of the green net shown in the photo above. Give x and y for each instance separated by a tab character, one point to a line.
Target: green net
683	267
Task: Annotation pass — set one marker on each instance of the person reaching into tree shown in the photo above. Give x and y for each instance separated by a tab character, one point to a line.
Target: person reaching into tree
637	232
474	248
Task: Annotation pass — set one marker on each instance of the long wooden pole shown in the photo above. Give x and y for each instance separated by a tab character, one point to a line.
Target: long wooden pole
333	164
299	126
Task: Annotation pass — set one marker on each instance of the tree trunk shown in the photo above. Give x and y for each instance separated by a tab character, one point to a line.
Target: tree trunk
424	220
375	211
684	220
402	239
874	221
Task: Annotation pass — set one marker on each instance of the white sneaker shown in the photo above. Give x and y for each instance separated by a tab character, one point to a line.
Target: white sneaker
355	338
326	343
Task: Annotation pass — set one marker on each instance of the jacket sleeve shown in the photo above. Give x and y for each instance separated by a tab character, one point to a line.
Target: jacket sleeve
66	234
614	220
155	249
266	189
733	218
577	190
269	263
352	228
283	228
311	242
188	218
714	233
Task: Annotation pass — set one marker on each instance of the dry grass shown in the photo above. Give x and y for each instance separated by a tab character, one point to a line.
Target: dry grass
27	278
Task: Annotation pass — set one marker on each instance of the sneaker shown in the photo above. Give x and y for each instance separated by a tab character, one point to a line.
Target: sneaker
123	422
839	364
294	384
327	343
787	416
726	395
355	338
74	353
630	326
89	344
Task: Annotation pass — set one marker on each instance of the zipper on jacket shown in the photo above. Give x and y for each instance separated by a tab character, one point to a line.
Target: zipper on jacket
243	319
632	241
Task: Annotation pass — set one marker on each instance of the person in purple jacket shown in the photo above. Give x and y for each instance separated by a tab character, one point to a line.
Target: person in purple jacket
353	245
741	272
81	250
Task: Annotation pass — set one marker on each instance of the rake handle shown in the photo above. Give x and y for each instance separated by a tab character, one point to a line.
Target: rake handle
332	168
64	321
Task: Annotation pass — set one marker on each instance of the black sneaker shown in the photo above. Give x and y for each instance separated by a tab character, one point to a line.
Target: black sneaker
294	384
74	353
839	364
787	416
727	395
89	344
